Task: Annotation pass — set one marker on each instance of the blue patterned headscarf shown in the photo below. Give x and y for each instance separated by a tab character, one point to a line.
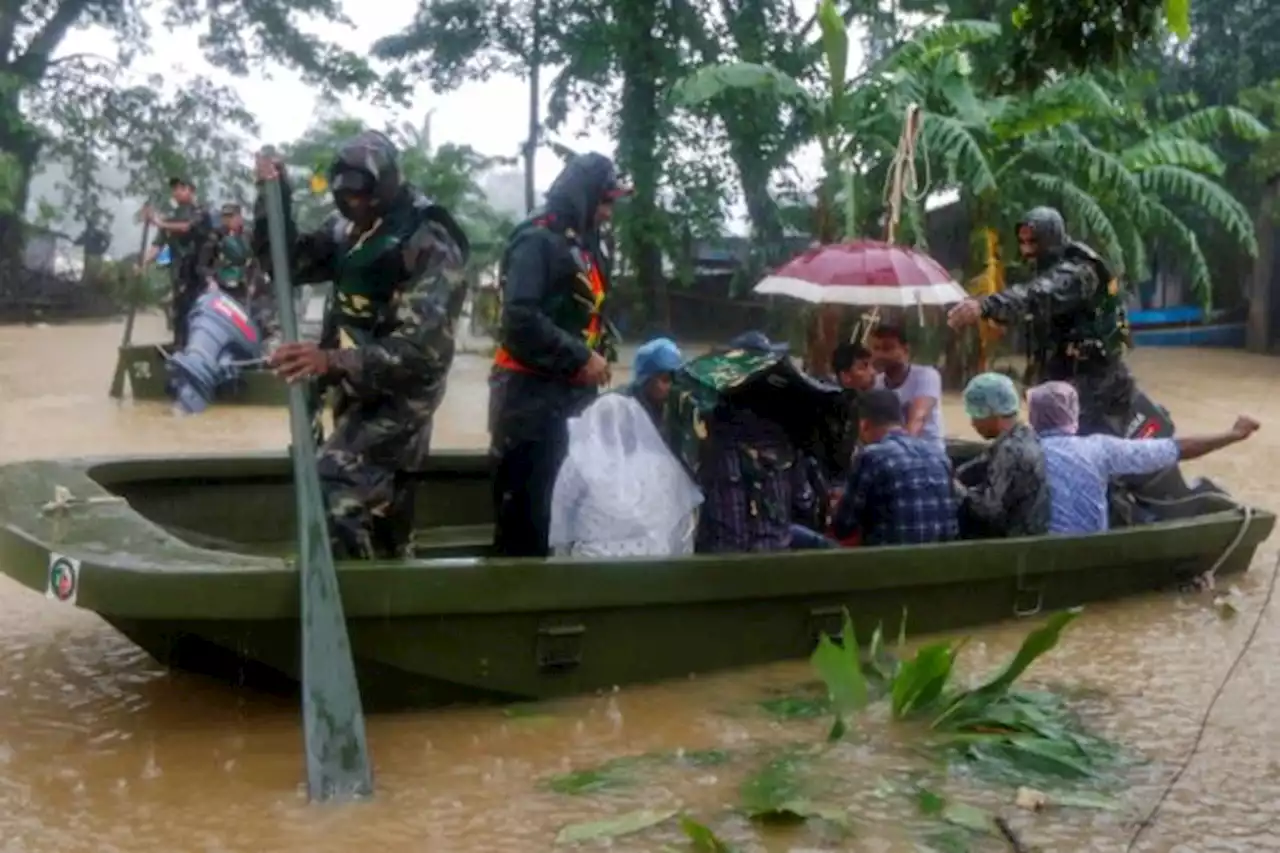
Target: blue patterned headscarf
990	395
660	355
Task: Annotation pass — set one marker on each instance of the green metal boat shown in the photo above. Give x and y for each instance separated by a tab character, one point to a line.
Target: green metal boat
187	556
148	375
145	364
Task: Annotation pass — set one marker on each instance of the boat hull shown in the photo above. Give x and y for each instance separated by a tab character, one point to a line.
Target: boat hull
145	365
456	625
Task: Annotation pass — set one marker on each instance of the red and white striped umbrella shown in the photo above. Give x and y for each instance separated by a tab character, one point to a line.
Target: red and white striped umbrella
864	272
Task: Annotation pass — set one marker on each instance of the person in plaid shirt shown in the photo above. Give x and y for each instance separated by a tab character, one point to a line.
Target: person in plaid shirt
899	489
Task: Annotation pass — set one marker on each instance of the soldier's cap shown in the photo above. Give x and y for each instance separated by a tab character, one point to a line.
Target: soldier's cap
231	209
758	341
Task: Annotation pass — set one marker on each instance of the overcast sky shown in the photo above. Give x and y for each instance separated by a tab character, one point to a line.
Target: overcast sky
491	117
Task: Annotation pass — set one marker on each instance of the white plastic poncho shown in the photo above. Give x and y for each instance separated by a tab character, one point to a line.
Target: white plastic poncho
621	492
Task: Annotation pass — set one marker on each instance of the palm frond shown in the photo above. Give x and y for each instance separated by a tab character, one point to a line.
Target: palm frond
1211	123
1134	240
928	44
1207	196
1084	214
1052	106
1103	174
1164	150
1195	268
965	159
711	81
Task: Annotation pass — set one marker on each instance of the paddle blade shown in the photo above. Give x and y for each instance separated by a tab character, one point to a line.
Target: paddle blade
332	716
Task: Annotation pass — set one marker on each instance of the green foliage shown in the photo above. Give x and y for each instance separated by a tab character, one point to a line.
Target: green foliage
87	112
448	173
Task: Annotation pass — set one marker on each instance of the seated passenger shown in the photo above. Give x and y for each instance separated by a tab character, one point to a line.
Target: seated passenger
754	477
651	373
1008	494
899	490
1081	467
851	366
918	386
620	491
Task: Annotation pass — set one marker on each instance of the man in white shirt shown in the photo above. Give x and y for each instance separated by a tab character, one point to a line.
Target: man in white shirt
918	386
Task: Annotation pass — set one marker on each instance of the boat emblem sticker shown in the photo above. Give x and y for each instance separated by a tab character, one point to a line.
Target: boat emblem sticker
64	579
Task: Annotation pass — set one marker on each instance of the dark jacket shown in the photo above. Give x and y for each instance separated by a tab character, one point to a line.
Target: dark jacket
547	304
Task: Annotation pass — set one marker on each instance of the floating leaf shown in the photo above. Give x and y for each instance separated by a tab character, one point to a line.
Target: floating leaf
623	824
841	671
1037	643
921	680
703	839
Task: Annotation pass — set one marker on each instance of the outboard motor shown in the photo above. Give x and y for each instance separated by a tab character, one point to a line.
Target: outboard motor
1165	495
1149	420
220	339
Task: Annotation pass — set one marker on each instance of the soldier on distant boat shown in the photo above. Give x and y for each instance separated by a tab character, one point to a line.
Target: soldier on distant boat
190	236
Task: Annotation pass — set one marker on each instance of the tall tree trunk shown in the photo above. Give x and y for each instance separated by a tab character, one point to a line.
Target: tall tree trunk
535	110
639	127
21	144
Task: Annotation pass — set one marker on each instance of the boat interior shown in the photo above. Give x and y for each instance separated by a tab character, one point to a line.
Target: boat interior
246	504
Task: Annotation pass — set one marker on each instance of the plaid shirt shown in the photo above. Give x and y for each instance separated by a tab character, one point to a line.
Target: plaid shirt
899	492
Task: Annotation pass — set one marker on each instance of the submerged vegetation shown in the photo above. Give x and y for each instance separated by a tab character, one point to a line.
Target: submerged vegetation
994	732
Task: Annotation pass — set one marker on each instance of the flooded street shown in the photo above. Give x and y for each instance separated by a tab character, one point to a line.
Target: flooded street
102	750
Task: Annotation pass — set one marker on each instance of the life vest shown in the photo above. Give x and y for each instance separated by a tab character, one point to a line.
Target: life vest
588	294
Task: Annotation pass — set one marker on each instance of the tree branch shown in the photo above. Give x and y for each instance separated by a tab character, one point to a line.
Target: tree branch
35	59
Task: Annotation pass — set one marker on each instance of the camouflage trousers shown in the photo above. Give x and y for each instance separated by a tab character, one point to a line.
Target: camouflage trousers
368	495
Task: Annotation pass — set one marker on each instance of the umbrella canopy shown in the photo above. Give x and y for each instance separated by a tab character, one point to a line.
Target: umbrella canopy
864	272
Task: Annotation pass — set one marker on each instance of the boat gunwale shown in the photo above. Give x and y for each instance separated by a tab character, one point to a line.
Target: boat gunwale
488	585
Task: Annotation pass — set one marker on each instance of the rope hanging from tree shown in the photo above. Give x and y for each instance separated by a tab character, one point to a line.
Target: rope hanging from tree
902	181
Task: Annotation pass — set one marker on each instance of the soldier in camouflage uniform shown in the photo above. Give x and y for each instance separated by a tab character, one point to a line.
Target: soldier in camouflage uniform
1076	329
397	263
190	236
232	261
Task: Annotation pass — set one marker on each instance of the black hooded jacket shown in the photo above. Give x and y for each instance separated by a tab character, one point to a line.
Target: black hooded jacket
546	305
541	269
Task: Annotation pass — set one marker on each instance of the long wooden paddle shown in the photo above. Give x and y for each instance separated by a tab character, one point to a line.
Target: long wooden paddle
332	716
122	367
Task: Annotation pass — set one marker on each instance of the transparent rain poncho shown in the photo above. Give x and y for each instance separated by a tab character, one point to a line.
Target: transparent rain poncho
621	492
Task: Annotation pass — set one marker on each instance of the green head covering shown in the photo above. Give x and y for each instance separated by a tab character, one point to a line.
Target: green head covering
990	395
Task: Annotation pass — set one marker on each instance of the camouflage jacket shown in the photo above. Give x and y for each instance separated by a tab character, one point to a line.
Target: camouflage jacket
194	252
1009	495
745	423
398	291
1074	315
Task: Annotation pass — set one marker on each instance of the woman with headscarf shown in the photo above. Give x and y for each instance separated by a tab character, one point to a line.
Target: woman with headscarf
1007	493
620	491
1080	468
651	376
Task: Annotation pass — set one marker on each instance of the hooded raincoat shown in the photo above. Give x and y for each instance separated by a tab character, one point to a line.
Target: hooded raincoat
555	286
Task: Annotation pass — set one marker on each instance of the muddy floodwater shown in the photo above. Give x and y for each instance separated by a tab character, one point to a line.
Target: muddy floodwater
103	750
